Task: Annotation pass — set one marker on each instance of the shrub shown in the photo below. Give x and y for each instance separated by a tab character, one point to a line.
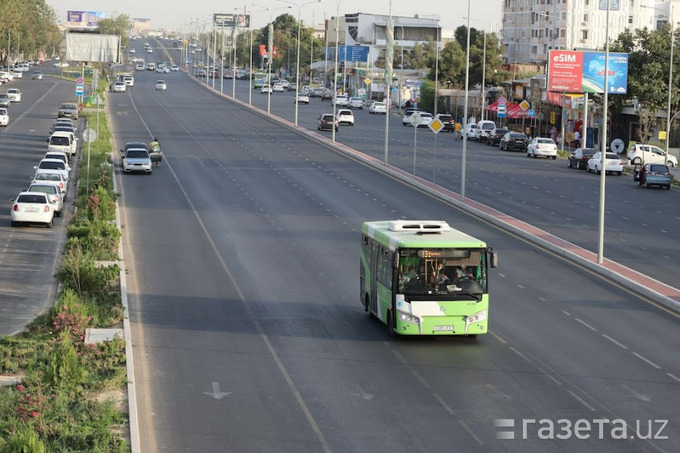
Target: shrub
64	371
77	271
24	441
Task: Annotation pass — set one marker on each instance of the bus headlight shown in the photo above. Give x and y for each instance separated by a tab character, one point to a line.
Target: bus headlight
405	317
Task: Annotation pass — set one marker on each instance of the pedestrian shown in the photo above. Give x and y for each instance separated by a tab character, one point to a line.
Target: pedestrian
456	128
553	134
641	174
577	139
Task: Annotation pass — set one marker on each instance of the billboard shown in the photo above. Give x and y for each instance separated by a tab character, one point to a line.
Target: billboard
583	72
353	53
84	19
231	20
92	47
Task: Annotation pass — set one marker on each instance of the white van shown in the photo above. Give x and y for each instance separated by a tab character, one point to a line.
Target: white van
484	130
62	141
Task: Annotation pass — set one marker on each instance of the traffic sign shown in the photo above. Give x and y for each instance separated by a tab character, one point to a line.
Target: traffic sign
367	81
436	126
500	114
532	113
415	119
80	81
89	135
502	101
79	90
524	105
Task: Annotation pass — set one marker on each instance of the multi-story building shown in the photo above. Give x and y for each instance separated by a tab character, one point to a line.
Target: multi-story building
531	28
360	29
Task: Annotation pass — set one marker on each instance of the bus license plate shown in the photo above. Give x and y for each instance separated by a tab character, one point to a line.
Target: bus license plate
443	328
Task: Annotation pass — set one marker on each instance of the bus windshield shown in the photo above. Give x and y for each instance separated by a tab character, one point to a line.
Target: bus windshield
442	271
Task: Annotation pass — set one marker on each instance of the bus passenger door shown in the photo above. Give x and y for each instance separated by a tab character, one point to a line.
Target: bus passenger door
374	279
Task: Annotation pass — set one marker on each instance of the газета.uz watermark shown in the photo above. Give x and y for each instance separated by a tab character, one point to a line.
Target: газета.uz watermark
598	428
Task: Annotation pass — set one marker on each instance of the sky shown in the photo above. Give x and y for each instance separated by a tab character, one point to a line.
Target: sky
175	14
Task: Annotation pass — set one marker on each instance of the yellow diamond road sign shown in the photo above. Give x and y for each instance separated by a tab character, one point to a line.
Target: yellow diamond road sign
367	81
525	105
436	126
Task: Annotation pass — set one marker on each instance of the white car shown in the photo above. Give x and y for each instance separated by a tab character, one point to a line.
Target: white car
302	98
52	176
612	164
118	87
4	117
345	116
55	165
265	89
129	80
53	193
162	69
160	85
32	207
278	88
14	94
140	66
356	103
377	108
650	154
174	68
341	100
137	160
542	147
425	119
470	131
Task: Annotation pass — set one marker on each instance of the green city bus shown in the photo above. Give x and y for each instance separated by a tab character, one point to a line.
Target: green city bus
260	78
425	277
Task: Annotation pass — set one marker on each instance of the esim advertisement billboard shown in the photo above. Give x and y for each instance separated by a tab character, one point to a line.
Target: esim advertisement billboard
583	72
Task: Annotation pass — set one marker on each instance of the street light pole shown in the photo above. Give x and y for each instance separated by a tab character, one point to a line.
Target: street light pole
389	54
670	87
297	64
335	72
465	112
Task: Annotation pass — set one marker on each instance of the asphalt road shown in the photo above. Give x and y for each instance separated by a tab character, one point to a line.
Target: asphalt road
28	254
242	252
640	227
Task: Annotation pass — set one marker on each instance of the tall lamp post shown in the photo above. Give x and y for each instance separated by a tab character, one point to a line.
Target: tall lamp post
297	64
250	68
465	111
271	54
389	55
335	72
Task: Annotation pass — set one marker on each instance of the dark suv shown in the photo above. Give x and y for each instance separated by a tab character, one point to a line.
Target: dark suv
326	122
496	135
448	122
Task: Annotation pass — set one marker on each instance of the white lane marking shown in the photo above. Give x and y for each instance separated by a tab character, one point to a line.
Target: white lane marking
580	321
621	345
646	360
581	400
516	351
672	376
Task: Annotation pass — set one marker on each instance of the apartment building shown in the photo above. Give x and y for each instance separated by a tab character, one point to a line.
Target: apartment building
531	28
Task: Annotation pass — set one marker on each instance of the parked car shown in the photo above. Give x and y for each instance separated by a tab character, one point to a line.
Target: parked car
53	193
160	85
612	163
69	110
447	120
137	160
514	141
425	119
579	158
14	94
377	108
406	119
542	147
484	128
496	135
653	175
55	165
470	130
5	101
118	87
345	116
32	207
650	154
4	117
326	122
53	177
356	103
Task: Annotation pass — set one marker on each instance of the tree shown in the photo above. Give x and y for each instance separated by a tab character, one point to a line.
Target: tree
648	70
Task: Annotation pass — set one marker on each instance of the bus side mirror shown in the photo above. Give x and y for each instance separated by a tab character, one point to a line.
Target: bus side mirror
493	259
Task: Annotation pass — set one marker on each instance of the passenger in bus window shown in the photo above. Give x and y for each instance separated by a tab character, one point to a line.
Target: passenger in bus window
441	280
